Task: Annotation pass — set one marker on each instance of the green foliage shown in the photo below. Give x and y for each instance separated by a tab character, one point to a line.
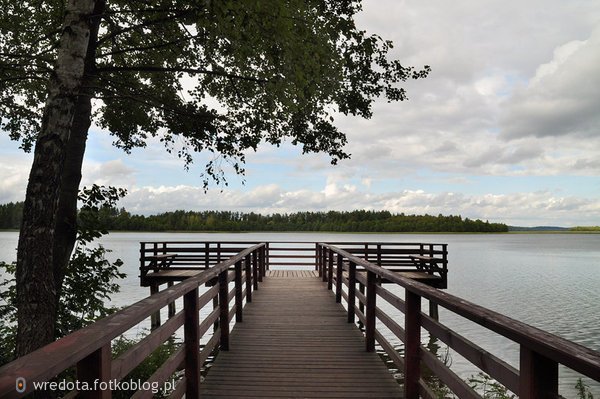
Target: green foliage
277	70
10	215
583	391
96	202
89	280
585	228
8	315
147	367
434	383
488	387
354	221
110	218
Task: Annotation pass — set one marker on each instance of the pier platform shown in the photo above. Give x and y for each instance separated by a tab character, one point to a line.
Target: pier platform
295	341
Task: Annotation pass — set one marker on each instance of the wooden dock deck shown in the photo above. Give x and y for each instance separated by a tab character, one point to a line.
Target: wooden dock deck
295	341
295	333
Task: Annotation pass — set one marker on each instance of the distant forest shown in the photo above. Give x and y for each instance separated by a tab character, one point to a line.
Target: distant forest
10	215
354	221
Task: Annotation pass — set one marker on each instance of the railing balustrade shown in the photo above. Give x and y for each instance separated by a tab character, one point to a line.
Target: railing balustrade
89	349
540	351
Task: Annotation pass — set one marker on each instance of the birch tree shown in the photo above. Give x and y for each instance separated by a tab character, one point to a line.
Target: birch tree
152	68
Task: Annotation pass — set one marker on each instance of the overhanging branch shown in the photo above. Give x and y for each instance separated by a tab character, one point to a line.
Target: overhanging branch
191	71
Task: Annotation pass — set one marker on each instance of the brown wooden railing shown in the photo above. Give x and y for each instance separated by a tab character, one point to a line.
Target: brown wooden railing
89	349
360	268
183	255
540	352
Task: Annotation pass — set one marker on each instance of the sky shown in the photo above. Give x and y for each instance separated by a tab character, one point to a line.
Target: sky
506	128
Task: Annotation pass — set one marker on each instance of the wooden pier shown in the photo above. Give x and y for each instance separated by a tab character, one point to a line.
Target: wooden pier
295	332
294	342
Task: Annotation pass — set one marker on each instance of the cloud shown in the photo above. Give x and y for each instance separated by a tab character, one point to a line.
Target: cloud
513	94
110	173
14	174
523	208
562	98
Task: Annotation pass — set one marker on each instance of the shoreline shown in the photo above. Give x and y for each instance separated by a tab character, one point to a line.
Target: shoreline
346	232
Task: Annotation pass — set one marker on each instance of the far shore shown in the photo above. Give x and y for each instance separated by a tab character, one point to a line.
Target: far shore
349	232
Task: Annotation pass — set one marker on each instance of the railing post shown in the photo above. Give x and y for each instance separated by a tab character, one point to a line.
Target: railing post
248	269
172	306
267	257
434	310
361	306
215	302
370	315
317	256
330	271
351	291
338	278
538	375
319	260
412	324
218	252
192	344
255	269
239	290
378	254
224	310
206	255
155	318
445	264
324	264
95	371
261	266
143	270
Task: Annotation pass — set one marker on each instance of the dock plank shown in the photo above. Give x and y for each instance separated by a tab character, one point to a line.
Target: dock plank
295	342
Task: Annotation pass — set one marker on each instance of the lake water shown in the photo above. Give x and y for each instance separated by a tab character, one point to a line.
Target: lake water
551	281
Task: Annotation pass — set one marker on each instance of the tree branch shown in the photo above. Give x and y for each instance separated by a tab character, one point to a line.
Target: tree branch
139	96
142	25
191	71
142	48
28	56
24	78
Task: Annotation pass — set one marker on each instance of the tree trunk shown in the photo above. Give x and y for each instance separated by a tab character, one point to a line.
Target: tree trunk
36	288
65	233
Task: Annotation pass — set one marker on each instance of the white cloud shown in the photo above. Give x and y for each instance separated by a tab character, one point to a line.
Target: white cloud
533	208
562	98
14	174
110	173
513	92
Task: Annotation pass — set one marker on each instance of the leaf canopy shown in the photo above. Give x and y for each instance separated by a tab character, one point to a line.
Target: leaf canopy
206	76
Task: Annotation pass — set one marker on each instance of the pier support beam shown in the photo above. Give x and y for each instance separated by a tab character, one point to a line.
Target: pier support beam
155	318
434	311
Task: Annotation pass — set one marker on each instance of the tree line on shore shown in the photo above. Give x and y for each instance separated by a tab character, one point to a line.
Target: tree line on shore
112	218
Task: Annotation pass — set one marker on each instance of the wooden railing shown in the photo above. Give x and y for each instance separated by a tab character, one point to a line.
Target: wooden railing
186	255
396	257
540	352
183	255
89	349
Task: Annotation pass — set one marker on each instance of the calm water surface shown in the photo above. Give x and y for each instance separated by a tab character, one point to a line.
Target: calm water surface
551	281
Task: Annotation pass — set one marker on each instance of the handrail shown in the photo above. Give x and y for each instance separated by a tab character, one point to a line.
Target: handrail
92	343
541	352
166	256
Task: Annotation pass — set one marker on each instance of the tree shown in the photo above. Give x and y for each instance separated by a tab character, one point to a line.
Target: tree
275	70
